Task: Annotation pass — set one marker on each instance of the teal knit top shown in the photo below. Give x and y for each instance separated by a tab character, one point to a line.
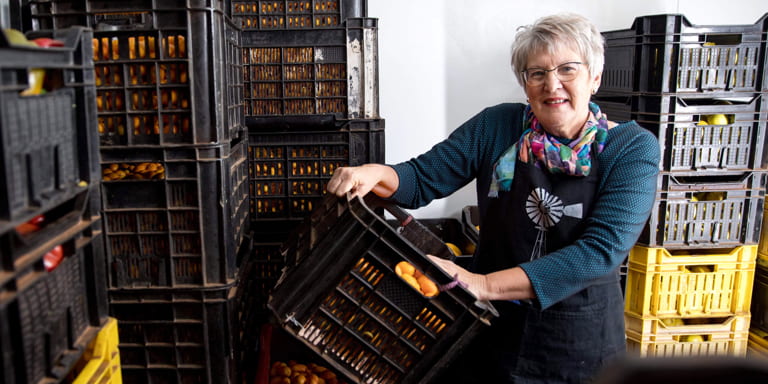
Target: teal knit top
628	169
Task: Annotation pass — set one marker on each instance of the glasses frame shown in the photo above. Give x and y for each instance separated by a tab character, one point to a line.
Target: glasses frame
526	77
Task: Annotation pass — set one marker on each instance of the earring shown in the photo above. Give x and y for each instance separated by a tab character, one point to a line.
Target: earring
594	91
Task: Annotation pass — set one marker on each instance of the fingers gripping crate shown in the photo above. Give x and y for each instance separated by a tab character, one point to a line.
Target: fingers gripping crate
667	54
716	336
690	284
174	216
53	300
175	335
167	73
699	135
330	71
47	124
295	14
706	211
289	170
344	300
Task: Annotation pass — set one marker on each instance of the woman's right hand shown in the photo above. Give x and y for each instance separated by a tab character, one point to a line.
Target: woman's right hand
379	178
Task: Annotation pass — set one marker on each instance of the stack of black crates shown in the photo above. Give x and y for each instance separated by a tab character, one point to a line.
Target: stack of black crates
53	290
703	91
174	177
311	106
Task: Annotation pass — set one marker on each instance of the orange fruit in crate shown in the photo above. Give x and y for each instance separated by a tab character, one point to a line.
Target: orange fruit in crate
412	281
404	268
428	287
416	279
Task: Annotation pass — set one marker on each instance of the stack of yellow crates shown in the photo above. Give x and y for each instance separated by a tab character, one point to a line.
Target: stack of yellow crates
683	303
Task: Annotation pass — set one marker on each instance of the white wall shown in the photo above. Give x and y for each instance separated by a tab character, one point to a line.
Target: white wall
442	61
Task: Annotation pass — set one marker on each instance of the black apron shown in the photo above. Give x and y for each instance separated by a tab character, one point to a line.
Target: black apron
571	340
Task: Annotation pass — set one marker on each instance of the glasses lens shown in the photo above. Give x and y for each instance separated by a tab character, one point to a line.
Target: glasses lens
564	72
567	71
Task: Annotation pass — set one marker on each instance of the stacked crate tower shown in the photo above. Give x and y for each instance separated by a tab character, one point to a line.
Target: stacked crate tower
173	177
53	289
703	91
311	106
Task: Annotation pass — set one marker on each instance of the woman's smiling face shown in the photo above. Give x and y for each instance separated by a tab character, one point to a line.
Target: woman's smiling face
561	107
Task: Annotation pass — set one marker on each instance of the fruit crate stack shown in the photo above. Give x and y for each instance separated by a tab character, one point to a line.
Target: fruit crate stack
703	91
174	170
310	95
345	297
53	289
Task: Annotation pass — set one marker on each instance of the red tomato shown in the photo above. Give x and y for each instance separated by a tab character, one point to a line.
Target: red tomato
27	228
46	42
53	258
33	225
37	220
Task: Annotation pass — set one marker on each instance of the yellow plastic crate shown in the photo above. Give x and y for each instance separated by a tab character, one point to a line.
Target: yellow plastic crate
707	283
101	361
758	344
717	336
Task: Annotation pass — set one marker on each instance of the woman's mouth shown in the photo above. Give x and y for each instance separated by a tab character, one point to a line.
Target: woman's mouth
555	101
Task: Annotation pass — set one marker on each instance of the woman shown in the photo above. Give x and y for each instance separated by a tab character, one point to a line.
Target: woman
563	195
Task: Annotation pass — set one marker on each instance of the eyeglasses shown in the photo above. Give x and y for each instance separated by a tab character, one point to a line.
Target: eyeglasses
564	72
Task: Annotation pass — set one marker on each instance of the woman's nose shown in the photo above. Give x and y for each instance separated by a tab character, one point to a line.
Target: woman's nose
551	81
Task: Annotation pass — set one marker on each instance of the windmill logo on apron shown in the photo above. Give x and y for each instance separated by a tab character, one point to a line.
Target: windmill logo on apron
546	210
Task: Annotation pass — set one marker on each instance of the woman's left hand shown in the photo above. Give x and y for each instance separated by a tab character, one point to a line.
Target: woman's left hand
476	283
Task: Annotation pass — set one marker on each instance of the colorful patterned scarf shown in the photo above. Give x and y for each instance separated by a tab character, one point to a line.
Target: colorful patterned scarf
538	147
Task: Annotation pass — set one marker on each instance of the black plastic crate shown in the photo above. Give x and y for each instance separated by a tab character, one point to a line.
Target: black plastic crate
295	14
167	73
451	231
691	144
668	54
706	211
470	221
260	272
48	141
343	299
175	335
759	307
174	216
289	169
258	275
330	71
47	315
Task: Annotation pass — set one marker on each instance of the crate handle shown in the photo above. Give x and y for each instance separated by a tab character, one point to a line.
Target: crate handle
435	246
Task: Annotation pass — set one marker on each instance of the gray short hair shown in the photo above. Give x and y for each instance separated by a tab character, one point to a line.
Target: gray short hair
562	30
